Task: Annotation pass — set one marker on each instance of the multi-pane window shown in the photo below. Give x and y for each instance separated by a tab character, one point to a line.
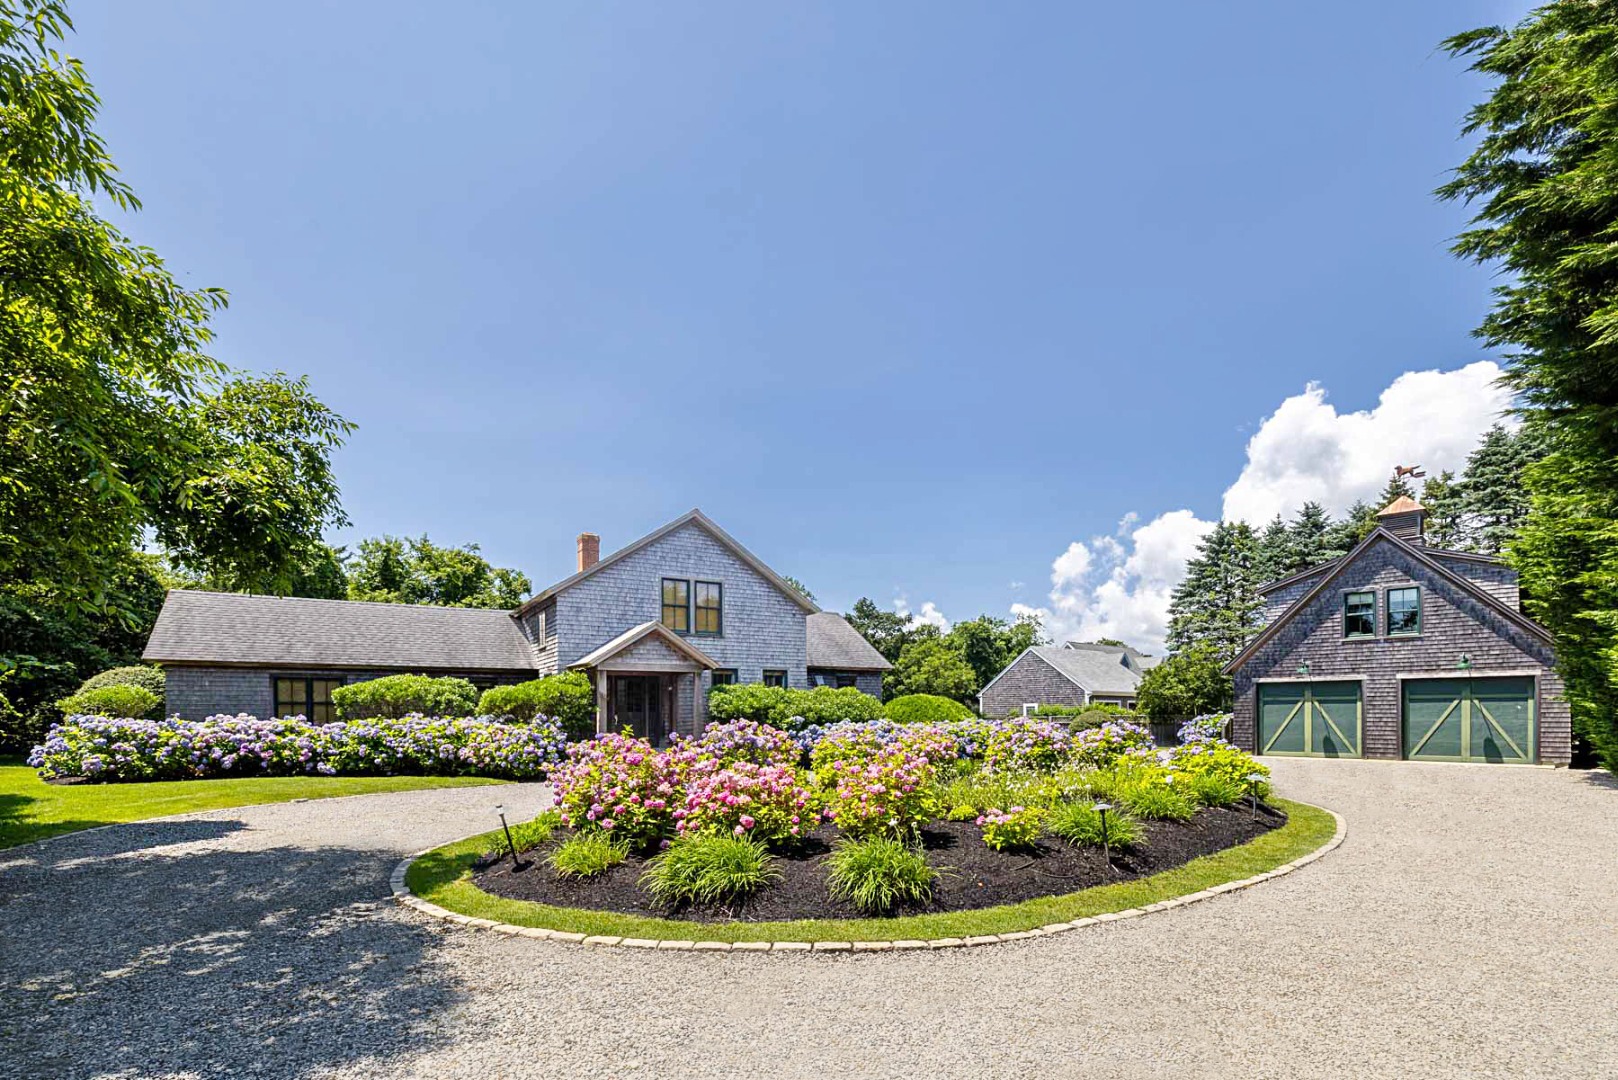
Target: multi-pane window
710	607
844	681
724	676
775	678
306	697
1404	611
1359	614
677	605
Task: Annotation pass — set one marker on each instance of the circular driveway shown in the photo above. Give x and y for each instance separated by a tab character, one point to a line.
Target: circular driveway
1467	928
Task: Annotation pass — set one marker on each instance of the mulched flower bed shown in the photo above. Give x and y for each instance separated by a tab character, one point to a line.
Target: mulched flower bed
972	875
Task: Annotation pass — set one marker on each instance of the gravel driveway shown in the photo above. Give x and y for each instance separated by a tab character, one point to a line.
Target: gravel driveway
1468	928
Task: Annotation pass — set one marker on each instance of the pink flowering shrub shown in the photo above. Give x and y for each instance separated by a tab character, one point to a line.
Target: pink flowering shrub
1017	827
1037	745
767	803
1101	747
860	742
620	785
745	740
888	791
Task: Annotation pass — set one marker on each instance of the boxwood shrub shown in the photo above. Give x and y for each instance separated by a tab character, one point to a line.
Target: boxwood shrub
115	702
142	675
925	709
395	696
566	698
788	708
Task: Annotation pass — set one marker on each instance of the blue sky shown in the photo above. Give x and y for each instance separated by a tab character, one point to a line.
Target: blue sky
912	298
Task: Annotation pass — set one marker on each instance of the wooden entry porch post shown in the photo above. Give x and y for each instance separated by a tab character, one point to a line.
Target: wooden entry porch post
601	701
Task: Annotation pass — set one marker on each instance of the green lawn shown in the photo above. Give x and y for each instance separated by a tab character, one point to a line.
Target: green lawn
442	877
31	809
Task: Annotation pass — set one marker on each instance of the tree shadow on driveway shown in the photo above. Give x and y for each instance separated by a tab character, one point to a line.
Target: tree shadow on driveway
177	948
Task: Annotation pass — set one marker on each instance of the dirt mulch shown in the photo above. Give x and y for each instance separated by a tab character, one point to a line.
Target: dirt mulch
971	875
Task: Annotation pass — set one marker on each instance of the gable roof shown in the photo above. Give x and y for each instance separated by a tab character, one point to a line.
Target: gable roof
1416	552
234	628
636	633
690	517
1100	670
1128	654
1310	571
834	644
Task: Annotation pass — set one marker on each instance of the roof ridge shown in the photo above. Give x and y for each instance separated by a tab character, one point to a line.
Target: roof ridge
335	600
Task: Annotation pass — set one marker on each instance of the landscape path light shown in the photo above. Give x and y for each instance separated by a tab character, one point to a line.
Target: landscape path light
1106	846
500	809
1253	781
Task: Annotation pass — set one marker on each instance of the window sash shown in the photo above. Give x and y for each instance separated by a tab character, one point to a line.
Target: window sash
1359	614
710	603
773	677
677	605
306	696
724	677
1404	611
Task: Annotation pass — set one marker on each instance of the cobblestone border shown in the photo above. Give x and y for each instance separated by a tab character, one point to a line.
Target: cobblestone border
402	893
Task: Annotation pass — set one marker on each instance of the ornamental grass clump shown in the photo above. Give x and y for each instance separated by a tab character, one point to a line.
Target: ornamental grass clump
745	740
1158	799
587	854
769	803
1012	829
713	869
878	874
1210	789
620	785
890	792
1080	823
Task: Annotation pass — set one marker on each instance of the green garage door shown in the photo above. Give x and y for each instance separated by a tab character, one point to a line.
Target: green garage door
1469	719
1316	719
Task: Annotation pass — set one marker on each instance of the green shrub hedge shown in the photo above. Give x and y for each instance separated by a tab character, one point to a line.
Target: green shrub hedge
925	709
115	702
142	675
789	709
393	696
566	698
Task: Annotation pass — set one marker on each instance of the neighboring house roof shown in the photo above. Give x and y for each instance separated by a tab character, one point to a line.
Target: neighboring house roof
836	645
1133	656
1420	554
1097	670
696	517
635	634
236	628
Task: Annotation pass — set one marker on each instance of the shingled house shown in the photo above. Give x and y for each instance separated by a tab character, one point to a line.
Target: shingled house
1077	673
655	625
1400	650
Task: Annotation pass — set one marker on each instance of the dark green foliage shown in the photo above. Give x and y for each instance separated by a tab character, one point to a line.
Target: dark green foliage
709	870
887	631
988	644
1543	179
1441	495
788	708
878	874
1185	685
1080	823
145	676
401	695
924	709
1217	603
931	665
800	586
586	854
119	702
1493	493
414	570
567	698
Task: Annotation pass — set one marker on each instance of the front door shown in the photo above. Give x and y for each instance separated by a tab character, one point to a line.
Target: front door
636	702
1309	719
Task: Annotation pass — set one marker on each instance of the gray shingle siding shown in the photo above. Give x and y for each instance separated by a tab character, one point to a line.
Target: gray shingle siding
539	627
762	627
1454	622
1497	580
1029	679
195	692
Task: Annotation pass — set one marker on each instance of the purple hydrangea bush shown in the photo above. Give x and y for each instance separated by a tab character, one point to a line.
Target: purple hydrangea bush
1209	727
744	740
109	750
1100	748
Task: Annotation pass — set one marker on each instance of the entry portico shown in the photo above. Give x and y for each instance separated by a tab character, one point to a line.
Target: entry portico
646	681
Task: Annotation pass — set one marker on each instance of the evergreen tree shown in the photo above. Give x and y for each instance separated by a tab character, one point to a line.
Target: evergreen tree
1341	537
1397	487
1218	603
1441	495
1494	500
1309	535
1273	557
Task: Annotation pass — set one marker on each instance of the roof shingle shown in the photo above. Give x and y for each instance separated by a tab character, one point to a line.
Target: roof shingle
837	646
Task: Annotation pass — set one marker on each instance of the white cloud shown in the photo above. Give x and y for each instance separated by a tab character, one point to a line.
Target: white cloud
1118	586
1307	450
929	615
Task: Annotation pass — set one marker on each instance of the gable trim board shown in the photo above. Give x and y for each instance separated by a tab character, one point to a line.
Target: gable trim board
690	517
1468	632
602	656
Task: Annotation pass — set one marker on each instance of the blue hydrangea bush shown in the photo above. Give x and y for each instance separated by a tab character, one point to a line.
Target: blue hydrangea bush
110	750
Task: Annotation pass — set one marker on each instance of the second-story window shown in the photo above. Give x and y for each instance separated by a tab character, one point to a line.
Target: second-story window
677	605
1404	611
710	607
1359	614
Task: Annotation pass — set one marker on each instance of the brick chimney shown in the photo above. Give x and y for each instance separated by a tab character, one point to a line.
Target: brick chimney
1405	518
589	550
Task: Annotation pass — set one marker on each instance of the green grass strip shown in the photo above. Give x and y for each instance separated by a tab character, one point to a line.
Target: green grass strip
443	877
31	809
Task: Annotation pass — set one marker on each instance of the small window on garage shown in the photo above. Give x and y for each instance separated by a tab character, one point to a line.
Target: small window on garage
1404	611
1359	614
